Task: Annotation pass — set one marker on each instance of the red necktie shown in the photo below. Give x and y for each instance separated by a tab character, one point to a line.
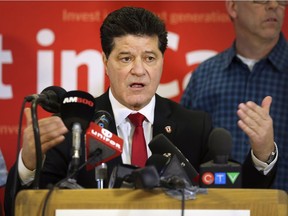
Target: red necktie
139	152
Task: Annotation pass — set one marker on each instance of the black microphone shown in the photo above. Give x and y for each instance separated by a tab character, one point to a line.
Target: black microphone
145	178
102	118
49	99
165	171
220	172
160	162
121	176
172	174
76	111
159	171
160	144
77	106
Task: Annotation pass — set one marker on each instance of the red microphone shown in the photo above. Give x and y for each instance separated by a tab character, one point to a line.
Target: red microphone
101	145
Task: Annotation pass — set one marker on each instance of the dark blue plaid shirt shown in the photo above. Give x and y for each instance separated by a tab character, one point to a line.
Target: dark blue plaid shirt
222	82
3	171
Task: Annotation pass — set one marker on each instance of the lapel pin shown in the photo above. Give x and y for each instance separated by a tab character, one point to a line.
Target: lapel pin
168	129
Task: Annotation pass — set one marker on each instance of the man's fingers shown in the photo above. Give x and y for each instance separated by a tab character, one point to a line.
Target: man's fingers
27	112
266	103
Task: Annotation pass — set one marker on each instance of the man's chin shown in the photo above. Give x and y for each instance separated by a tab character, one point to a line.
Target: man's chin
136	103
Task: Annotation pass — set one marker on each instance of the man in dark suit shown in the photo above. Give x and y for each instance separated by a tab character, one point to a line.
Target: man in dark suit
133	41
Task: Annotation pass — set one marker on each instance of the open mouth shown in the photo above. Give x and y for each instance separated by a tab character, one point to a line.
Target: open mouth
137	85
271	20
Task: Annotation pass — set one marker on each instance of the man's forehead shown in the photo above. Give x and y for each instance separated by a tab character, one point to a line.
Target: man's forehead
131	43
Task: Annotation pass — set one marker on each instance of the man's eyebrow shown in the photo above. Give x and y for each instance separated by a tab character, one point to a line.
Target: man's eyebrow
150	52
124	52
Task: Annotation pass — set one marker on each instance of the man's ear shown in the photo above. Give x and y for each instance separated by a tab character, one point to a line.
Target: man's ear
105	61
231	7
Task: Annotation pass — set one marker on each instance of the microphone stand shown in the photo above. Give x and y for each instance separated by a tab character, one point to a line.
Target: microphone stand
71	182
37	142
101	175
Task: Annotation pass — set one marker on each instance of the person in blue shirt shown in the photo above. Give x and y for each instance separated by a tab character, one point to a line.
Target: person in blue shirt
249	73
3	170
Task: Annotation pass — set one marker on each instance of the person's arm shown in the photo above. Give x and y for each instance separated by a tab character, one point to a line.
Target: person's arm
267	166
52	131
257	124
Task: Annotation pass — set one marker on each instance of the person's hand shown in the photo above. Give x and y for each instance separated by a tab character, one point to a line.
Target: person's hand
256	122
51	129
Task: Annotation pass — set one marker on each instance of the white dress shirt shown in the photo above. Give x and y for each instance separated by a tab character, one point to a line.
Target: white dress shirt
125	128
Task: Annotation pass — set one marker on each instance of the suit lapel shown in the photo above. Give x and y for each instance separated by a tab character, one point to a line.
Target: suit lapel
162	122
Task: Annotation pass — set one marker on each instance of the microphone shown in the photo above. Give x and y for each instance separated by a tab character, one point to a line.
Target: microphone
76	111
101	144
160	144
172	174
160	162
50	98
160	171
220	172
102	118
165	171
121	176
145	178
77	106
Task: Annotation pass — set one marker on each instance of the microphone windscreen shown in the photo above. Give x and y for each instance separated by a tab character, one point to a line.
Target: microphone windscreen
220	172
77	106
54	96
220	142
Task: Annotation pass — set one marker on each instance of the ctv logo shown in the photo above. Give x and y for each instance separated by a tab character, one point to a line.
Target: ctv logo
219	178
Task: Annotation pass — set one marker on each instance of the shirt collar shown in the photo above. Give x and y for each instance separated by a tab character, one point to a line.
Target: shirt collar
227	56
121	112
276	56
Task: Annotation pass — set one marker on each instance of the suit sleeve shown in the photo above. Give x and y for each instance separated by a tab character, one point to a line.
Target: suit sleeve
252	178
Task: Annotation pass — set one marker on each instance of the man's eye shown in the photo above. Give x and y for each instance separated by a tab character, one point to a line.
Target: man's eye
126	59
150	58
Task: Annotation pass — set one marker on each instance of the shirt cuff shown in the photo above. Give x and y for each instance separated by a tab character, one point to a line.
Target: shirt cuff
262	166
26	175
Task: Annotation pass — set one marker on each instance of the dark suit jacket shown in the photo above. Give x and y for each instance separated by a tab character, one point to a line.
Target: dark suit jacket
189	132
